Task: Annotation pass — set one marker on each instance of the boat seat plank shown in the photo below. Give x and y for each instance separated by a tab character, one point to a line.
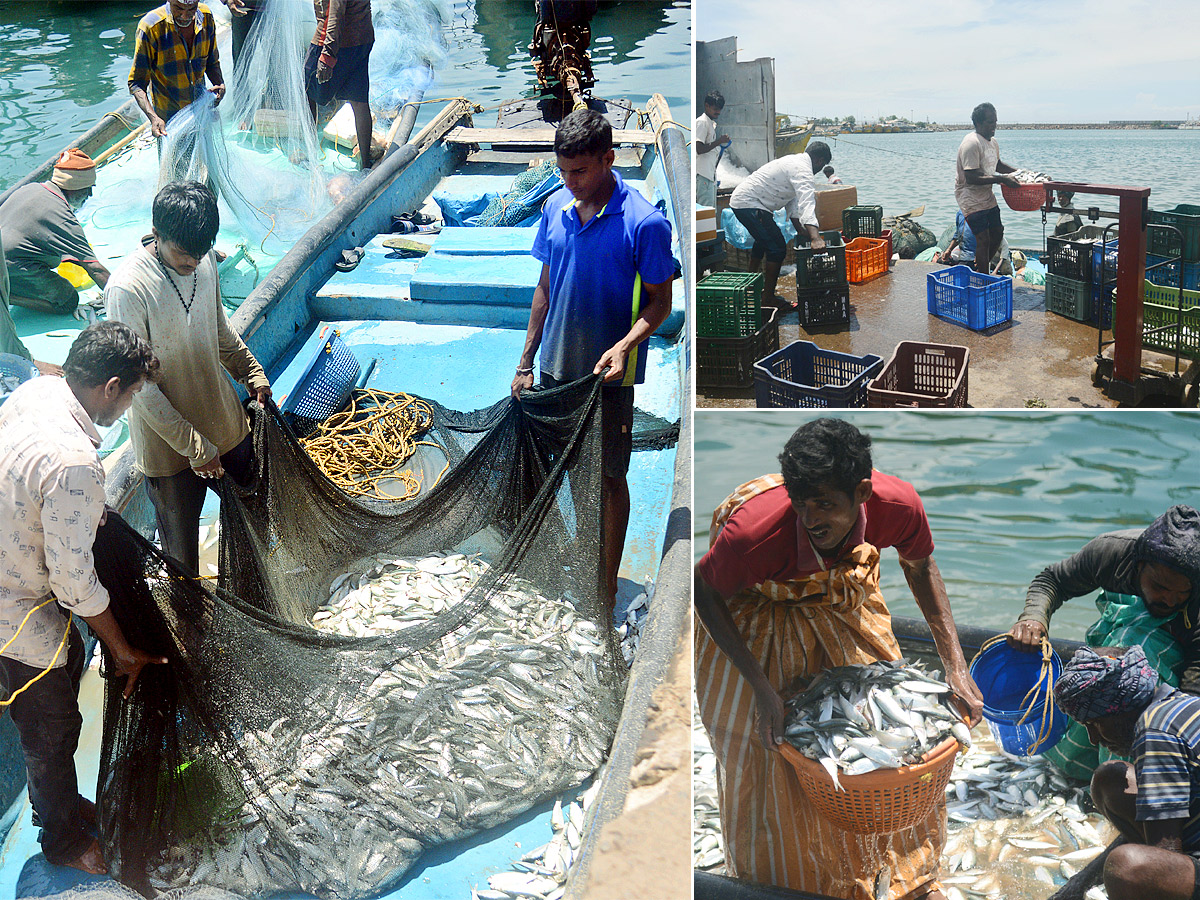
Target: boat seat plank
485	241
535	136
507	280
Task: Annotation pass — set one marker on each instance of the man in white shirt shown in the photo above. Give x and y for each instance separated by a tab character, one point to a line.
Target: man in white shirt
784	183
52	505
707	142
189	427
979	167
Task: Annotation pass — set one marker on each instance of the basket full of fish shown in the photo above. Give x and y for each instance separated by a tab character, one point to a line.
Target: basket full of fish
873	745
1030	195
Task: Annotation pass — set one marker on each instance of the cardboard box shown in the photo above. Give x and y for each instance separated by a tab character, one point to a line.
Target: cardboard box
706	223
831	200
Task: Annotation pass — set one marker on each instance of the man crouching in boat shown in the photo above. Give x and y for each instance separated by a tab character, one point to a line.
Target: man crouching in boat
1150	580
1153	802
789	587
605	287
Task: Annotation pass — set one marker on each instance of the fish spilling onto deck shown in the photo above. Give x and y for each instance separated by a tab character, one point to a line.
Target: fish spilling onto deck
855	719
518	702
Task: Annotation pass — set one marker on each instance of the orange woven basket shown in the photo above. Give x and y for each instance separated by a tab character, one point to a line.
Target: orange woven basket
878	802
1025	198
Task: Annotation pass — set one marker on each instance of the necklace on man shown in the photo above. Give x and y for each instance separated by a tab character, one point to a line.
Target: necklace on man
187	304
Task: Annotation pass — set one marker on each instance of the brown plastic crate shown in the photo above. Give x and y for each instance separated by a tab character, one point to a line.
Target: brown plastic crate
922	375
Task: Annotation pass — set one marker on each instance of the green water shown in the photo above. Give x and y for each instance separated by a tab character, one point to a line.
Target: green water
1006	493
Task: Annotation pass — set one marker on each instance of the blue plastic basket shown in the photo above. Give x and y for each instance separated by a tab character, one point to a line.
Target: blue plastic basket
13	366
1005	677
970	298
804	375
328	380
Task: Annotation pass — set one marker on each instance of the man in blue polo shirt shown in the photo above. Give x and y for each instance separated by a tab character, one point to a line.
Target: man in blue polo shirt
605	287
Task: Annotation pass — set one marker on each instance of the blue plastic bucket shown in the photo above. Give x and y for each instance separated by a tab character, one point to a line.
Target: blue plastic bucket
1005	676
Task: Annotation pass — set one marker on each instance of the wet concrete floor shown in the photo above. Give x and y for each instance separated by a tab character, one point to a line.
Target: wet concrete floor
1037	359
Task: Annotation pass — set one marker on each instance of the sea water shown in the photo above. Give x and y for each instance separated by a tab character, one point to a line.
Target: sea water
1007	494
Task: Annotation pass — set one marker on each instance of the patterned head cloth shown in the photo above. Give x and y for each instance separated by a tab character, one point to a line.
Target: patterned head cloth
1092	686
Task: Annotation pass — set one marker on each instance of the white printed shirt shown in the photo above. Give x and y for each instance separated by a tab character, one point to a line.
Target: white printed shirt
783	183
51	503
705	132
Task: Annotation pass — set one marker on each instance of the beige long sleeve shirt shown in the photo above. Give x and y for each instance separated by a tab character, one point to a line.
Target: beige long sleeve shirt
192	414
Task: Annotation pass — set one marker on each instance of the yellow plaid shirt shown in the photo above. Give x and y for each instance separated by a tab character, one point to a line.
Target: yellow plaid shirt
165	67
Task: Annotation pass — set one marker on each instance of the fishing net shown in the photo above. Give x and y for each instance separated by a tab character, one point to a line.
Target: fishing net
522	203
269	755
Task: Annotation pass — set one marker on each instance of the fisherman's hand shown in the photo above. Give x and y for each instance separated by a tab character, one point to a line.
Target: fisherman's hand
968	697
324	72
48	368
211	469
262	395
1027	635
218	91
723	139
818	243
131	662
522	382
768	706
1010	180
613	360
236	7
158	127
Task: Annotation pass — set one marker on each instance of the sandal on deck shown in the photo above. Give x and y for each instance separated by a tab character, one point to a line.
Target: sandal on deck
350	260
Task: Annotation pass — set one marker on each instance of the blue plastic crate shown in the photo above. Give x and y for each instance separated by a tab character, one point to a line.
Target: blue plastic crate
804	375
13	366
328	380
970	298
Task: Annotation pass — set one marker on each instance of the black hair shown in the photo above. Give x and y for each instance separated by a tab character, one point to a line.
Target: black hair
583	132
106	350
825	453
980	111
715	98
819	150
828	170
185	213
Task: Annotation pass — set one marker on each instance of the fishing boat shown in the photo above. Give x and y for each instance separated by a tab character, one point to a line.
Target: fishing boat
448	324
791	138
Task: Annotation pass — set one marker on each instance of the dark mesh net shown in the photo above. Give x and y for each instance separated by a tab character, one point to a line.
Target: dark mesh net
269	755
524	199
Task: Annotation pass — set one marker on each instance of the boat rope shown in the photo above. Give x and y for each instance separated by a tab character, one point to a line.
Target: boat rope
4	704
881	149
129	126
365	445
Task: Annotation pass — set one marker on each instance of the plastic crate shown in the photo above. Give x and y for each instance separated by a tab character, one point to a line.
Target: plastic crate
1070	255
1161	270
729	304
886	234
823	306
804	375
862	221
729	362
1185	217
821	268
328	380
969	298
1160	308
866	258
1068	297
922	375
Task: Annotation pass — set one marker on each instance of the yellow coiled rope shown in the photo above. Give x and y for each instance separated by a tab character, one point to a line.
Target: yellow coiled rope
61	644
363	448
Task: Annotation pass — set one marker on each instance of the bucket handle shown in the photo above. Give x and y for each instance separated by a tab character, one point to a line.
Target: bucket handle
1045	678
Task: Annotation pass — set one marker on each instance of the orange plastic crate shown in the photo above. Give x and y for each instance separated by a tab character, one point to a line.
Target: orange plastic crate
866	258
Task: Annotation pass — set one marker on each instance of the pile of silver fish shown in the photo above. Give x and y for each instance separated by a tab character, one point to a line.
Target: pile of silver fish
518	703
541	874
1027	176
708	845
855	719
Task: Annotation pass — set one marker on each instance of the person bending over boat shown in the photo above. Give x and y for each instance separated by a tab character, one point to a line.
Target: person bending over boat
790	587
337	64
175	48
979	167
52	505
1150	579
10	341
783	183
707	141
40	230
1153	802
188	427
606	263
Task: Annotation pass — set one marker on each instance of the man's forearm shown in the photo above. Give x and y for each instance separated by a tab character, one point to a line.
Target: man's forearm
97	271
925	581
713	612
537	321
143	101
106	628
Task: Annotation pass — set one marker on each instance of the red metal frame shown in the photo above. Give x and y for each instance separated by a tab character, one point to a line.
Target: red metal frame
1131	270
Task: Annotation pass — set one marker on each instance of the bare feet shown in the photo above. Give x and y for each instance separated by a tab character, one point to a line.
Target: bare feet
90	860
47	368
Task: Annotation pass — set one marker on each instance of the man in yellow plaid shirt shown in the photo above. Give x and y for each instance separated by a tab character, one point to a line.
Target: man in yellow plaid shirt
176	46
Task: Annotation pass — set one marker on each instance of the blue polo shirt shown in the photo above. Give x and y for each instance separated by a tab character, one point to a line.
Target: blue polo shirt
596	276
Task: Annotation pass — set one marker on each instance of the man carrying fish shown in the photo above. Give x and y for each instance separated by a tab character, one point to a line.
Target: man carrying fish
790	587
605	288
979	167
1154	802
1150	580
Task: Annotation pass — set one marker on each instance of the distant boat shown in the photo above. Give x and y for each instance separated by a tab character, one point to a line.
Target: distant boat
791	138
1191	125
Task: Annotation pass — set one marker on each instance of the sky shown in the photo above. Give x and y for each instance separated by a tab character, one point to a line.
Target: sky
1036	60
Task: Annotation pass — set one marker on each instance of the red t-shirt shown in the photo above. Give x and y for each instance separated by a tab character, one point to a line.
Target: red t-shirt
760	542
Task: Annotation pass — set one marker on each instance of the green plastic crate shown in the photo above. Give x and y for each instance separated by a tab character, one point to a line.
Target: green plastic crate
729	304
1160	308
1185	217
862	221
1068	297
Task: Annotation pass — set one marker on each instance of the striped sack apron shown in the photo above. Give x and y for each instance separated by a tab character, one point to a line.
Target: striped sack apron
772	833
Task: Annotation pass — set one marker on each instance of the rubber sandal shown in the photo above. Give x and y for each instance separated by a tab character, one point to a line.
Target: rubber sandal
350	260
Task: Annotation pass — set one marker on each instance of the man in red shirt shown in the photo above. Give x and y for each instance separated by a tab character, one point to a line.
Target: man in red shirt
789	587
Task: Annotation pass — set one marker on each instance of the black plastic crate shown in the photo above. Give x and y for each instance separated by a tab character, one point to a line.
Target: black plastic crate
1165	242
821	268
729	362
862	221
823	306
